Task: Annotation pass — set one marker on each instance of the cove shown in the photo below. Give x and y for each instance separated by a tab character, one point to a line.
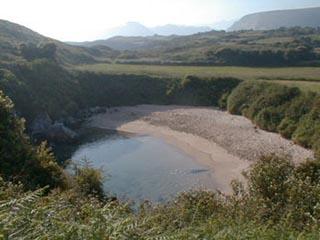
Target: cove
143	167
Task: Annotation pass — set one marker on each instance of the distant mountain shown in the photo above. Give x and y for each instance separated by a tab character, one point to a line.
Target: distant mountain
135	29
170	29
131	29
308	17
134	36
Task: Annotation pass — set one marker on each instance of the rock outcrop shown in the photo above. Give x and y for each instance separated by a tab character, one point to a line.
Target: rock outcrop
43	127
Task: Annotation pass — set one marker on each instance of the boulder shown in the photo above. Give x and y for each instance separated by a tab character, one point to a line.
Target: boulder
58	132
97	110
41	124
73	122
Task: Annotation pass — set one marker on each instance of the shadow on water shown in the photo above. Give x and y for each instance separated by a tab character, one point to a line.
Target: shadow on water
64	151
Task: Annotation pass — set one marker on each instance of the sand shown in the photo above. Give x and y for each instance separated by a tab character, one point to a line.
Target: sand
226	144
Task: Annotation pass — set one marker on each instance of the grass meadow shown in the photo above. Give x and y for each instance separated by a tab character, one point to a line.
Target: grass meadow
306	78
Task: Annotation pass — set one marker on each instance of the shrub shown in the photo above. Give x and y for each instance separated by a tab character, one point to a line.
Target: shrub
269	185
89	180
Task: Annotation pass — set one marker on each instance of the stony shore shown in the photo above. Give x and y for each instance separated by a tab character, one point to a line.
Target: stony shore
225	143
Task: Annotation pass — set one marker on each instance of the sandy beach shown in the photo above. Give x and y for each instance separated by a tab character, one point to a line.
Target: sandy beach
224	143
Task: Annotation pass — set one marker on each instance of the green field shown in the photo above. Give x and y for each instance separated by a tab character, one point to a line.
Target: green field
303	85
306	78
246	73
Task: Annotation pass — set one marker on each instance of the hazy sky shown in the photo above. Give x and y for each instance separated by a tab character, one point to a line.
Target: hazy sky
78	20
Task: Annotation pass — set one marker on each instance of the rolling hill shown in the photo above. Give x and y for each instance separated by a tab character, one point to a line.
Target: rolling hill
17	41
308	17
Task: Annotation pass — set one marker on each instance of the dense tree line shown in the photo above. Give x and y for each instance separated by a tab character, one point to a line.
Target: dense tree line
31	51
239	57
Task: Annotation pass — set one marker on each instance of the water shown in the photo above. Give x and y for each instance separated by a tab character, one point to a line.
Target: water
143	167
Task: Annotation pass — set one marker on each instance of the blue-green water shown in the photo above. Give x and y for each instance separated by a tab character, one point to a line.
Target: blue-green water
143	167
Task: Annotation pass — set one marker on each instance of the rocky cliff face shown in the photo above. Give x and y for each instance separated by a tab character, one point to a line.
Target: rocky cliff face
43	128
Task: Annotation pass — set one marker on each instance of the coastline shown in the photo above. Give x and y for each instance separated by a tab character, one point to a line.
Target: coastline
190	129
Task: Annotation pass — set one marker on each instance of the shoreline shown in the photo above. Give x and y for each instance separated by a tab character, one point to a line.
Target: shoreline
223	166
197	132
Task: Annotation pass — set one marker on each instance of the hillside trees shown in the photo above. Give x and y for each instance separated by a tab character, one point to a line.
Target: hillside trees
262	57
31	51
20	161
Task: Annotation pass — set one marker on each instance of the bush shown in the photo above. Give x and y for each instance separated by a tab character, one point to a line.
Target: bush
89	180
273	107
269	185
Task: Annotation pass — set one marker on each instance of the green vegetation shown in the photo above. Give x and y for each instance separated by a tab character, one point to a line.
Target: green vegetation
245	73
20	160
287	110
305	78
42	85
206	92
282	47
39	86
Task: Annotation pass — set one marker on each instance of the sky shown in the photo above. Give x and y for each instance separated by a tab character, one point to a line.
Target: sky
81	20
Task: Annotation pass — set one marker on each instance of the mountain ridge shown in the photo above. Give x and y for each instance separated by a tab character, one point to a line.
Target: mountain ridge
304	17
136	29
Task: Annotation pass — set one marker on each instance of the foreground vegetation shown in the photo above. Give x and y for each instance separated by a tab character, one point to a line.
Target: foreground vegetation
280	202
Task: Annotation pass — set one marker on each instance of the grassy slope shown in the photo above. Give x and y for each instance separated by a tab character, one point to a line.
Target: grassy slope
13	35
248	73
